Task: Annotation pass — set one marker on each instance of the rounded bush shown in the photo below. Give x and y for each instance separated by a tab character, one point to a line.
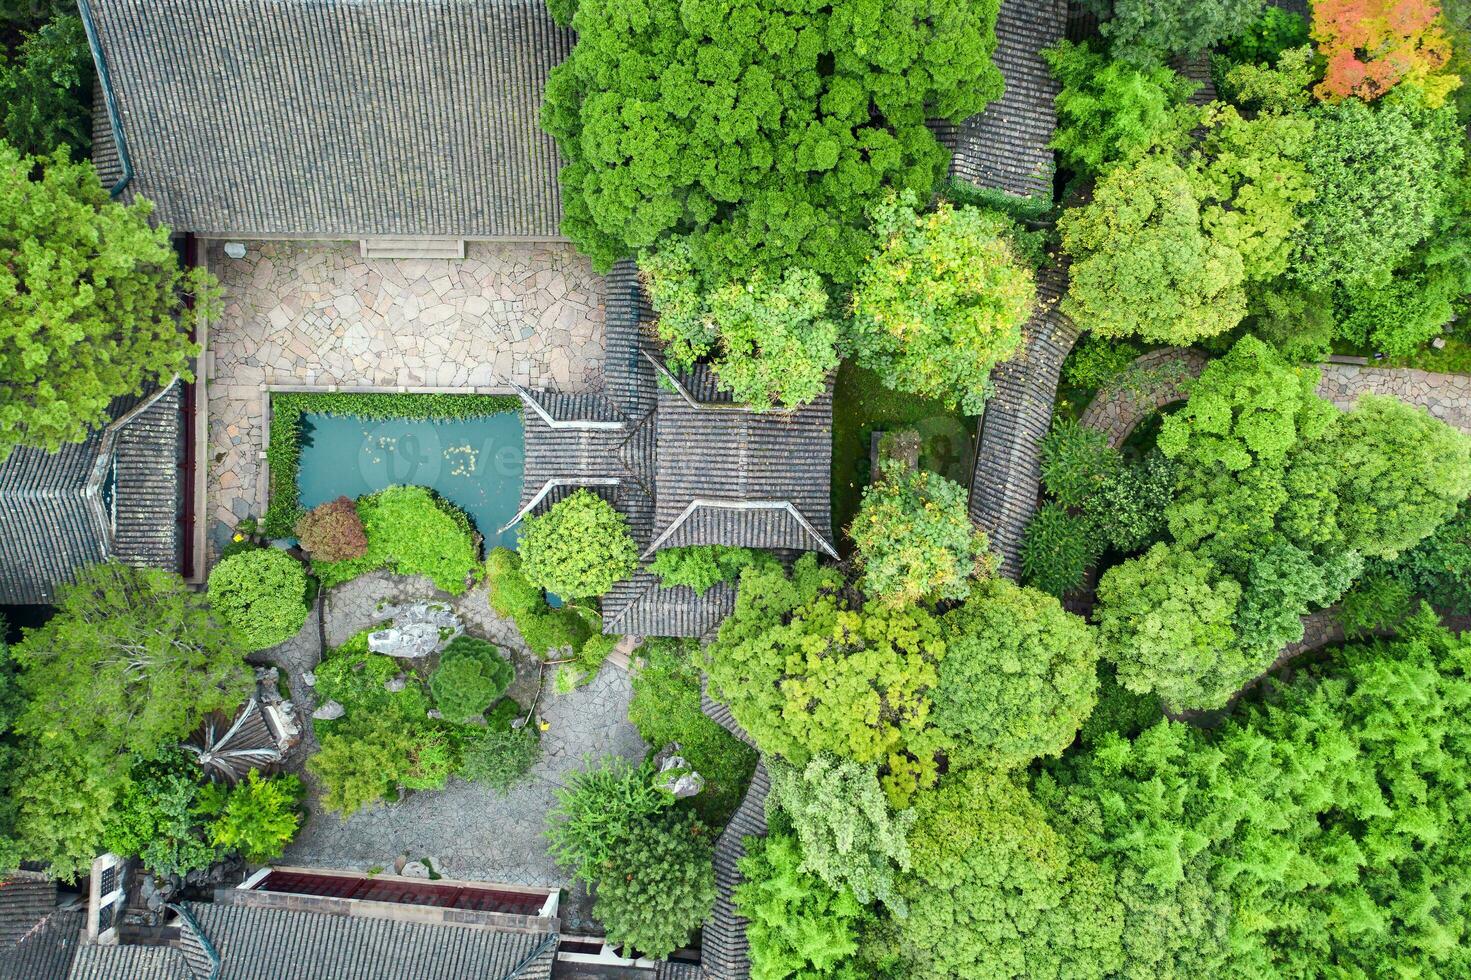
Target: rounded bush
333	531
261	595
471	676
579	548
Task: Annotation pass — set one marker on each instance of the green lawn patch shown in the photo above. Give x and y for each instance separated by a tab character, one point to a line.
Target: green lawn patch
861	405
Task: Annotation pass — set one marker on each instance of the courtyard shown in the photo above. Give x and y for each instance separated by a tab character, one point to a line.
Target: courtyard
317	315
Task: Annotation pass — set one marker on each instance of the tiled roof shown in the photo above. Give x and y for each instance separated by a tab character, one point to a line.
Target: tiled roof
724	952
640	606
283	944
733	477
337	118
1005	146
36	939
1003	492
130	962
115	494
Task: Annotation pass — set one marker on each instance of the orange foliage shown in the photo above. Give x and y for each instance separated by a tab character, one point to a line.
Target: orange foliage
1373	45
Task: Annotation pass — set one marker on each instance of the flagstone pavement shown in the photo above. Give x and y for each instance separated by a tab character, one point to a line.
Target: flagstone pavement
318	314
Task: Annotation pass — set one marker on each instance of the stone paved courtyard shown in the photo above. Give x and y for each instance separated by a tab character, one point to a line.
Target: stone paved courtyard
466	830
317	314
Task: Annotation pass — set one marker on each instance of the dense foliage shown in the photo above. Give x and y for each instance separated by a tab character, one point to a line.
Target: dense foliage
1018	679
46	90
797	924
763	130
703	566
913	538
578	548
411	531
666	709
257	817
1148	31
471	676
770	342
1371	46
261	595
81	325
804	672
1141	263
941	302
542	627
333	531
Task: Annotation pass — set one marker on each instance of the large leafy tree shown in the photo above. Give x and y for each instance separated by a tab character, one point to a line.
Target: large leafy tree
91	296
1142	266
1111	112
130	663
914	540
1327	824
1018	679
1147	31
804	672
797	924
1382	174
1165	620
1252	184
770	341
1370	46
851	838
578	548
941	302
45	92
762	128
996	892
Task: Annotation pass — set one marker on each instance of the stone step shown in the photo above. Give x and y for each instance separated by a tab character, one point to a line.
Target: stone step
412	248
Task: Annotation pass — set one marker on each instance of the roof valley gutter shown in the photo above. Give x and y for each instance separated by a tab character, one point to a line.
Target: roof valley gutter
109	100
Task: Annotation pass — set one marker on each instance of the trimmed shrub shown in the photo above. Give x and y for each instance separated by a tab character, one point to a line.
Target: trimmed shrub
260	594
471	676
1058	549
412	531
579	548
333	531
914	540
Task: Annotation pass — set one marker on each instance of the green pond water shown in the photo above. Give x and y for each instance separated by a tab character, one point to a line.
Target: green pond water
476	463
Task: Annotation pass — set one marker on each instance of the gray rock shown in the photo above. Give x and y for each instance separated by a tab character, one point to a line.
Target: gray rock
329	712
309	679
435	714
675	776
416	630
415	869
395	684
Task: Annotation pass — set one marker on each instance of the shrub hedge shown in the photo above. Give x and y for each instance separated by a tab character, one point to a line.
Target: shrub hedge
283	455
261	595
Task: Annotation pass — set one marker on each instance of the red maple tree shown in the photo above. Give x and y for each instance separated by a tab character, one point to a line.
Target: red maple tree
1373	45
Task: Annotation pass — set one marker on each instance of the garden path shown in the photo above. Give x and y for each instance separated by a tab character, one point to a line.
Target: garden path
466	830
1159	377
318	314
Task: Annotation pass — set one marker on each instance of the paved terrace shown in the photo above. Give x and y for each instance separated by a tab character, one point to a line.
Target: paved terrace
316	313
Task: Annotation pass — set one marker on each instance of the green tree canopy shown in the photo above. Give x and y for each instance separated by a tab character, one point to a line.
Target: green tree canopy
850	836
1382	174
914	540
798	925
803	672
1148	31
770	340
1142	266
578	548
91	296
941	302
1018	679
997	893
1111	112
761	128
1165	620
45	93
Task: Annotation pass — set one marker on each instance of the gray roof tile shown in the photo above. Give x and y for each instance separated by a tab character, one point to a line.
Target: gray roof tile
338	118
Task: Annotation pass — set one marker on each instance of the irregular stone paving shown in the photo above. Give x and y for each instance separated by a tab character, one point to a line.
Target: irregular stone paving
316	313
467	830
1162	373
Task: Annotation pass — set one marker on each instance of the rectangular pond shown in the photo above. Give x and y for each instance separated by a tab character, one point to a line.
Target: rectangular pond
476	464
